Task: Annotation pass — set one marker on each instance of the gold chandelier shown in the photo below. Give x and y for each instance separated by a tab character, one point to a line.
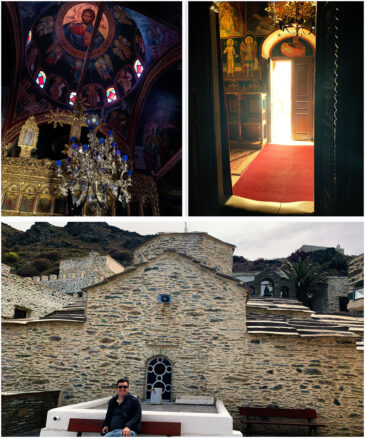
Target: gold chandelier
300	15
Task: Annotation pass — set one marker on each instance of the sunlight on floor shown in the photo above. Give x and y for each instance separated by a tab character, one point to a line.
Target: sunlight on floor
281	102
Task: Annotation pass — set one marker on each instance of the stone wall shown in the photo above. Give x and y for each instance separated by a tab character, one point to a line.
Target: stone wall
76	274
29	295
277	280
208	250
337	287
202	332
356	272
26	411
327	299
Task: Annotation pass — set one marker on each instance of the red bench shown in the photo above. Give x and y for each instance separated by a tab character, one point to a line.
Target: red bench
263	415
80	425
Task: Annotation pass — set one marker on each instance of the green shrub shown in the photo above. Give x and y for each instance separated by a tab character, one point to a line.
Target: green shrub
10	257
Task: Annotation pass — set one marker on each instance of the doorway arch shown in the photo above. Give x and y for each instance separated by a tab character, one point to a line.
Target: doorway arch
278	35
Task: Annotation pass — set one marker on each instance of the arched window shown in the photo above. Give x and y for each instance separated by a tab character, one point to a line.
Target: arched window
72	98
41	79
138	68
159	375
284	292
111	95
267	288
29	39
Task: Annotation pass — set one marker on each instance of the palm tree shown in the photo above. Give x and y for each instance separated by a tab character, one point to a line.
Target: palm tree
306	276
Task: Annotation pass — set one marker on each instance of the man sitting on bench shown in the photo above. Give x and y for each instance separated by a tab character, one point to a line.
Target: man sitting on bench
123	417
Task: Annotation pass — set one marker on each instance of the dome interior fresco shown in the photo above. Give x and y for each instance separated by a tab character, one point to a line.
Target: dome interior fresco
127	43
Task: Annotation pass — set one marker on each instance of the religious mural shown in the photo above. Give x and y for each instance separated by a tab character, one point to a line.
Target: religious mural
58	43
28	101
94	95
292	47
258	22
159	127
44	204
125	80
10	201
241	58
56	48
75	24
230	19
128	44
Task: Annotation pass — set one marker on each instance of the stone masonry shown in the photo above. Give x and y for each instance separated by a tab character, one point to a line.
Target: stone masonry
208	250
37	299
327	299
202	332
356	272
75	274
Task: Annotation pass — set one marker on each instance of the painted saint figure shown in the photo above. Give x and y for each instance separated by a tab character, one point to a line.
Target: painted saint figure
104	67
54	53
76	71
249	50
125	79
93	98
79	34
231	54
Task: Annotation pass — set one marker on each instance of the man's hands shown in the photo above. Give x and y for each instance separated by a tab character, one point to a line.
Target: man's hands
126	431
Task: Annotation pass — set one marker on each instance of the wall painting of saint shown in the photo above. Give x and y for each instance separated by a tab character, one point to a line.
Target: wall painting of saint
230	19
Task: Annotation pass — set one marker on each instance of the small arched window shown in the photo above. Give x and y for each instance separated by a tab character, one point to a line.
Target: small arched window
111	95
138	68
29	39
72	98
159	375
41	79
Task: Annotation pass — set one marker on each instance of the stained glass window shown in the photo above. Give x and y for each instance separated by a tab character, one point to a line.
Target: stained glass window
41	79
111	95
29	38
138	67
72	98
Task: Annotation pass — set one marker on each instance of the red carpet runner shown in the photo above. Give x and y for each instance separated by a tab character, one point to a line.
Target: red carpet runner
279	173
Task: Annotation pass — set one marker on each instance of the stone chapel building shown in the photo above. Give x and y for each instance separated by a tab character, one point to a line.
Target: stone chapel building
177	319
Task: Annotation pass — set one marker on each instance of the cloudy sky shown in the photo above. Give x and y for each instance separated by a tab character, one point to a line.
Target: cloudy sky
253	239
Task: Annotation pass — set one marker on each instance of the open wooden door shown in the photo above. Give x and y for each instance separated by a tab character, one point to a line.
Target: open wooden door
302	98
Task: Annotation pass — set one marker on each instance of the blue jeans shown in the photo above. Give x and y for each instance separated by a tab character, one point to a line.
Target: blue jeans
118	432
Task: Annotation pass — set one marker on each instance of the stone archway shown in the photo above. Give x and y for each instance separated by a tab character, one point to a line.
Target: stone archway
267	287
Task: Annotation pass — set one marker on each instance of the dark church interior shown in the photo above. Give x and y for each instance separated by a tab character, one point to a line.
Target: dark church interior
122	61
234	48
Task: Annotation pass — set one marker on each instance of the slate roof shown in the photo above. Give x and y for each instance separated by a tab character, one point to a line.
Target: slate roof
275	316
71	313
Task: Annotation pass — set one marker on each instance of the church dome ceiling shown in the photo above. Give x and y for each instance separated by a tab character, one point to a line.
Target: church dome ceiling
57	42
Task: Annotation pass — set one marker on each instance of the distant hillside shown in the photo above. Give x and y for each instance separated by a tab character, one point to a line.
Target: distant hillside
333	261
39	250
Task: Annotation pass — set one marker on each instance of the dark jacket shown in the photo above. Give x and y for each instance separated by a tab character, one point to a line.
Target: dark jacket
131	413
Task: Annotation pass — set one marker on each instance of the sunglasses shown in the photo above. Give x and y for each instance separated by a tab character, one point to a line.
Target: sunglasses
122	386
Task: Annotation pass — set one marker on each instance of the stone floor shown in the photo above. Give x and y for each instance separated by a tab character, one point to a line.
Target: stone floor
239	160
